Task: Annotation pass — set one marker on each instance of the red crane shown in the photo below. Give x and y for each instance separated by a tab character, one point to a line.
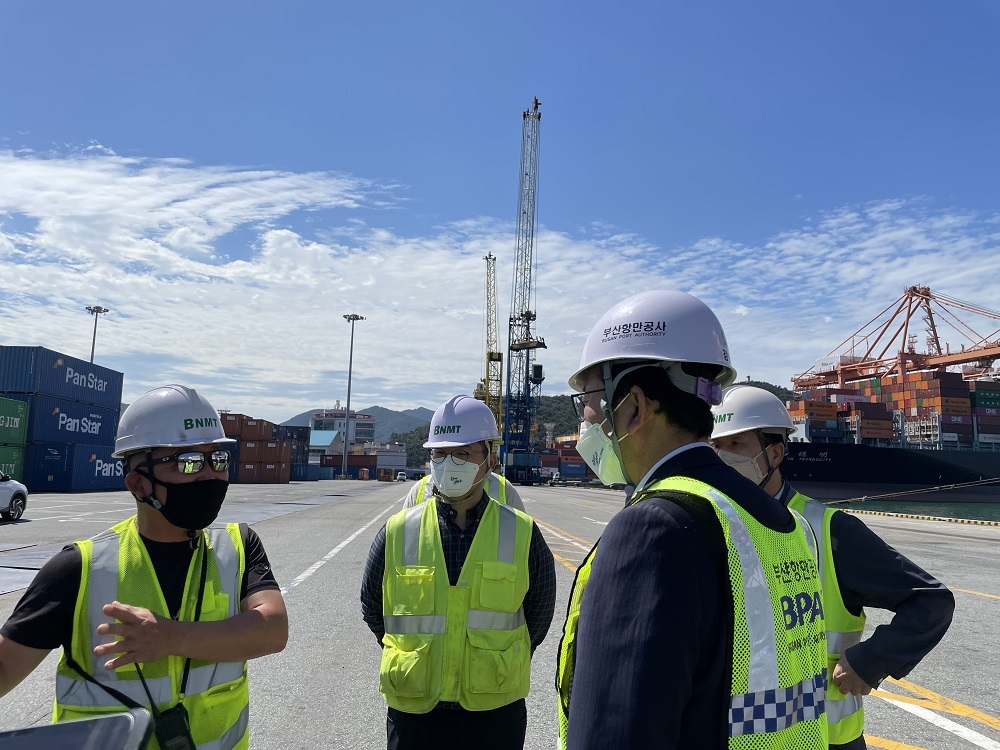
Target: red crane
866	353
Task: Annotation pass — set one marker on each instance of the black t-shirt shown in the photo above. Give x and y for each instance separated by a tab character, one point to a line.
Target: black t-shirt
44	616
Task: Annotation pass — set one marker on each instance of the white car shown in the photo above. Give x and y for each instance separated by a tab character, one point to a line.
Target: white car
13	498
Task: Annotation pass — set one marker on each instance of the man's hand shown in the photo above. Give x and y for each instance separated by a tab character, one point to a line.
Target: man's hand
143	636
845	678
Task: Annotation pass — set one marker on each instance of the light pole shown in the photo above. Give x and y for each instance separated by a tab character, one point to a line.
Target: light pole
352	319
96	310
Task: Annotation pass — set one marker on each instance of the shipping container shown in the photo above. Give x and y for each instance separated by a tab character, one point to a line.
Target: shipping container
95	469
286	432
34	369
234	461
951	419
12	461
13	422
300	472
232	424
57	420
48	467
572	469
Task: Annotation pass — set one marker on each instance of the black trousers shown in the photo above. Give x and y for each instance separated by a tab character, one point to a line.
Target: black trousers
457	729
856	744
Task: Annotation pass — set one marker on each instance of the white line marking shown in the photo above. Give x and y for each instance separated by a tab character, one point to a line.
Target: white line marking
564	538
594	520
329	555
948	725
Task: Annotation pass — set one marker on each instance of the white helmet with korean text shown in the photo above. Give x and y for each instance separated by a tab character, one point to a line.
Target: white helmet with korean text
662	326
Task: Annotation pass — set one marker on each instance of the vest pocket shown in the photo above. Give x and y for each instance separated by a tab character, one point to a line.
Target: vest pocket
496	586
413	590
495	659
406	665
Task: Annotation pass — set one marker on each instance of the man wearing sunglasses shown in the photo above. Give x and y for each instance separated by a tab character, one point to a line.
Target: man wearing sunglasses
163	609
459	591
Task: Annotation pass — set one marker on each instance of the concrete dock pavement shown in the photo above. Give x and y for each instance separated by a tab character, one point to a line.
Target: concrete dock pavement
322	691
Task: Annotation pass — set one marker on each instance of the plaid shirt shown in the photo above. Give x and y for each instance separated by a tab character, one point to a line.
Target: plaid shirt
539	601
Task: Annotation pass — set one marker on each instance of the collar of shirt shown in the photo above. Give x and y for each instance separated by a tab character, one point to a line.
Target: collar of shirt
675	452
472	515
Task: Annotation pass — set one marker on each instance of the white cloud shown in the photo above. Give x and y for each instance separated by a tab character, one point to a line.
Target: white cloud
236	280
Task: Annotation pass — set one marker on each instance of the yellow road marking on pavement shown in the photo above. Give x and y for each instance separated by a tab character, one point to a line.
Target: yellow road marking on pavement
937	701
551	527
889	744
562	560
977	593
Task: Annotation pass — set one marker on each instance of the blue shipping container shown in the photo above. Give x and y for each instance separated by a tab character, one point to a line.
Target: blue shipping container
34	369
300	472
234	460
48	467
572	468
95	469
56	420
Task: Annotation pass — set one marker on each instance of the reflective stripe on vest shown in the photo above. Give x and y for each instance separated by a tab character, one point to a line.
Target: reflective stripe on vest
227	712
766	706
466	642
477	618
844	711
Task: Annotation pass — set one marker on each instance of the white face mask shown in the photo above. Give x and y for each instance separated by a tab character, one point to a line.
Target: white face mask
598	450
453	479
745	465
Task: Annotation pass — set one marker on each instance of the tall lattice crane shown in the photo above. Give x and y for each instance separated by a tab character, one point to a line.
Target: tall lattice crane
524	378
491	386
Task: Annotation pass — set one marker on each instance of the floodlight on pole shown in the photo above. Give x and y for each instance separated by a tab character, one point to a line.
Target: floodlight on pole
352	319
96	311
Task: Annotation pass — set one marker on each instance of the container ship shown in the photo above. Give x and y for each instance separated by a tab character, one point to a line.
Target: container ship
911	426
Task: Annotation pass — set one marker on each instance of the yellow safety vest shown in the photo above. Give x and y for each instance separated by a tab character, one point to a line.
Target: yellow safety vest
467	643
116	566
495	486
844	712
778	682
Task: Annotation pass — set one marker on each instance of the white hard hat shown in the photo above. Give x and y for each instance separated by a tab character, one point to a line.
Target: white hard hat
658	326
172	416
746	407
461	420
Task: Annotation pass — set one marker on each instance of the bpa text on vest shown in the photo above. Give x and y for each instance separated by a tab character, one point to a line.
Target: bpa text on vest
86	380
805	607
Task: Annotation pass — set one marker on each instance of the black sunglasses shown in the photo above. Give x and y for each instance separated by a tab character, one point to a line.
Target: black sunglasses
191	462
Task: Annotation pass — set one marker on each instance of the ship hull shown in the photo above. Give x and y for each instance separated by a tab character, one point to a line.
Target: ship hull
838	471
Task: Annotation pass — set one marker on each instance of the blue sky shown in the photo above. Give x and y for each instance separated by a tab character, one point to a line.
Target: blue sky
231	178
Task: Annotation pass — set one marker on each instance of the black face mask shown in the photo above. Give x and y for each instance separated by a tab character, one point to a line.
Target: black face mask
191	505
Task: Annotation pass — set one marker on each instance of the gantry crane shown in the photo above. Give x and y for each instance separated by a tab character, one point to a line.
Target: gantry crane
490	387
866	353
524	377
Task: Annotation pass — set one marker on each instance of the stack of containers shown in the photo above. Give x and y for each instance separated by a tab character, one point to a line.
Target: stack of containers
298	437
257	458
73	408
13	435
985	401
